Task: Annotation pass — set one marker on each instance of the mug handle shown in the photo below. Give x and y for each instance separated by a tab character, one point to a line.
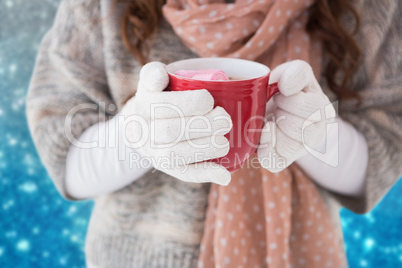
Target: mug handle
272	89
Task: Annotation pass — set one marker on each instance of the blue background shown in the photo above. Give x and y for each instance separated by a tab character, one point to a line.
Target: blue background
40	229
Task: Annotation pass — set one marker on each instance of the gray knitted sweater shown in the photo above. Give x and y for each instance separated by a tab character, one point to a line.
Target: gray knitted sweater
157	221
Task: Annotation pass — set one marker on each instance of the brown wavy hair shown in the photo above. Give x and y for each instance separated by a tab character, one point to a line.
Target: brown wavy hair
340	44
139	22
141	18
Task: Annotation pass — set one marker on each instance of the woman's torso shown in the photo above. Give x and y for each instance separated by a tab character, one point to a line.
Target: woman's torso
157	221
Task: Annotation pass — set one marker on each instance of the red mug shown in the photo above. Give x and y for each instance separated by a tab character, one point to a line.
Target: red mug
244	98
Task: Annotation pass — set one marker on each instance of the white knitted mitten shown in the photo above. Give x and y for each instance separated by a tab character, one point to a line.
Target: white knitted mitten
177	130
298	117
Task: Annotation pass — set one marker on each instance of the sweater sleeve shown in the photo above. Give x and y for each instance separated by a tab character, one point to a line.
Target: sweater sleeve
379	115
68	90
381	125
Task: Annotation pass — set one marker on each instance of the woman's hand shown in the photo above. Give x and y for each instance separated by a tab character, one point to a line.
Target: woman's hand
177	130
299	116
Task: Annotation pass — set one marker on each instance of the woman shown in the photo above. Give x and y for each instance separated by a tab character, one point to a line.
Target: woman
88	67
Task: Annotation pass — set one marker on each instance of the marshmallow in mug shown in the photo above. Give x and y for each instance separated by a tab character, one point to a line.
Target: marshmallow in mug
203	74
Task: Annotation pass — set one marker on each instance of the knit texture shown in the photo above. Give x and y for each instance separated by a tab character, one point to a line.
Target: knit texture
159	219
